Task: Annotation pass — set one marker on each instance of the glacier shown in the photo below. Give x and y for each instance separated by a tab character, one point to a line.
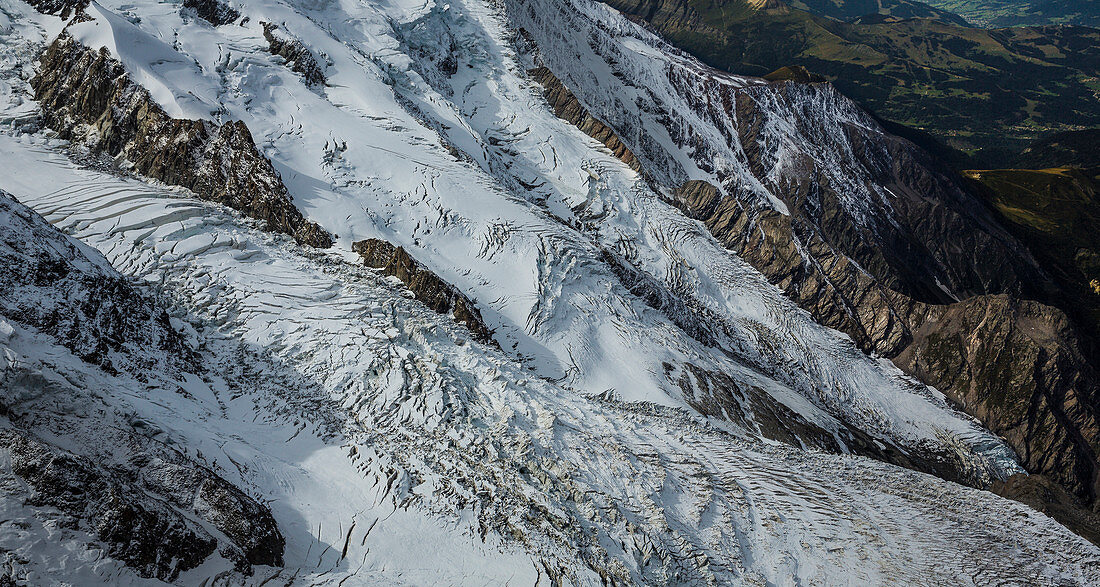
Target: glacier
392	449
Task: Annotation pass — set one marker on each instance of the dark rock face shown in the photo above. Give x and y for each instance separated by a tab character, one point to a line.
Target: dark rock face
719	395
89	309
87	96
833	288
244	521
145	534
1044	400
136	511
298	57
212	11
435	293
916	226
693	320
62	8
1016	366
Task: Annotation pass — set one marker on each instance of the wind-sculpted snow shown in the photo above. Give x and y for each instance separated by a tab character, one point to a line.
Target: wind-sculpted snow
394	450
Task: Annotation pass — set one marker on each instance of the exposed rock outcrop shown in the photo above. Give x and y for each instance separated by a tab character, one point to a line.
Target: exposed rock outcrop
62	8
298	57
87	307
435	293
566	106
693	320
145	534
916	221
837	291
212	11
720	396
246	522
1016	366
136	511
87	96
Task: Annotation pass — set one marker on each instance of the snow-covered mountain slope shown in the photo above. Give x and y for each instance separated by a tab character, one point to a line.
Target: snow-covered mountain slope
74	459
363	158
863	229
612	437
803	183
375	431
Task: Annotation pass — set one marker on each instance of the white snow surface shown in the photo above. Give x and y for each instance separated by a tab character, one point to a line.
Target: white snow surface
393	450
366	158
369	424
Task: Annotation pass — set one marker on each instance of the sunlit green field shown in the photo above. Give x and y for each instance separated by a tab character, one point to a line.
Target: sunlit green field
983	92
1003	13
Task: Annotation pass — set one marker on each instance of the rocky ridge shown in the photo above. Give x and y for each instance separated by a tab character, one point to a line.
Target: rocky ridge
147	535
426	286
566	105
153	507
298	57
787	161
63	8
88	97
212	11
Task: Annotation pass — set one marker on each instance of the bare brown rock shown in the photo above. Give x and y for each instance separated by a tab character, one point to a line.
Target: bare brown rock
834	289
87	96
426	286
566	106
1016	366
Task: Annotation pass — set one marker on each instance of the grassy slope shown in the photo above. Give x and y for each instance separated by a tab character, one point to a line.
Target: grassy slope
1006	13
1056	212
852	9
1076	148
978	90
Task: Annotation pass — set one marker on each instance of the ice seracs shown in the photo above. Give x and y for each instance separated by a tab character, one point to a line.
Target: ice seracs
392	448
